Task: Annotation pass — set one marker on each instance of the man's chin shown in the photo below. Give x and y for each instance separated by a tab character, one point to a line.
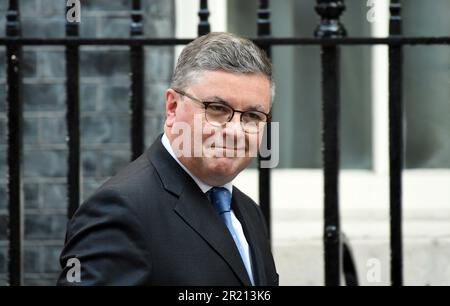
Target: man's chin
227	167
231	152
222	166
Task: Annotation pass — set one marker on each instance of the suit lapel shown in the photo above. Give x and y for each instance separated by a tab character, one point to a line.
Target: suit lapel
250	232
195	209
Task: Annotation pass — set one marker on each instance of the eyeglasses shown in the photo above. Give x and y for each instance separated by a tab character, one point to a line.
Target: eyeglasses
218	114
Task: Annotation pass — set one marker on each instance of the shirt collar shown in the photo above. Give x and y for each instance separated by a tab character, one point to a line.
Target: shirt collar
203	186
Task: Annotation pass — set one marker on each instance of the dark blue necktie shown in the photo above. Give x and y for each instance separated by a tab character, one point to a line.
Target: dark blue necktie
220	197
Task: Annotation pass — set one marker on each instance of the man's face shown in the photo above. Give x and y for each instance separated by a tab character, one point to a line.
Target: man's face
220	162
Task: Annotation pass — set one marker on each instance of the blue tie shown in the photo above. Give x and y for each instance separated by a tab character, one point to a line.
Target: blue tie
221	199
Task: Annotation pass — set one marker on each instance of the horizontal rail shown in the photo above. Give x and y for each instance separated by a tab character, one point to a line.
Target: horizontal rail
443	40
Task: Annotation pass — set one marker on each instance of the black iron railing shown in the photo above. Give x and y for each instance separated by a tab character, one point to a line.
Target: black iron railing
330	27
395	144
73	119
330	35
14	151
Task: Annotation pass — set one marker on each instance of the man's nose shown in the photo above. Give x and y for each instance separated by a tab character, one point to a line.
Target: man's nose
235	123
233	132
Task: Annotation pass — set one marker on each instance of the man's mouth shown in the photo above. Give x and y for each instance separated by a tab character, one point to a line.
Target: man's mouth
229	148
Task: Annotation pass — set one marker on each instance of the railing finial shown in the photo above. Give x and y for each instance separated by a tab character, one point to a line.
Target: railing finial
395	20
263	23
12	19
203	25
136	27
330	26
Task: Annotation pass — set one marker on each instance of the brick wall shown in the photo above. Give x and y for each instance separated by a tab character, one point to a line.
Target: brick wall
105	119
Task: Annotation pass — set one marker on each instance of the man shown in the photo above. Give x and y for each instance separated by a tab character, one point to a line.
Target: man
173	217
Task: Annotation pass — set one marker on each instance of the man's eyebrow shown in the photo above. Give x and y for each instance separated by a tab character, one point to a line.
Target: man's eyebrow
257	107
216	99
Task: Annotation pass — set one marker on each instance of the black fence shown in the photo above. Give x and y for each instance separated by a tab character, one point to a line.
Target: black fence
330	35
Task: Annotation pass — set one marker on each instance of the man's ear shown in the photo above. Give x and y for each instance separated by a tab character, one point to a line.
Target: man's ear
171	106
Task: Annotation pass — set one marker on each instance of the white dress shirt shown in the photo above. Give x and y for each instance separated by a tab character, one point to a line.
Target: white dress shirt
204	188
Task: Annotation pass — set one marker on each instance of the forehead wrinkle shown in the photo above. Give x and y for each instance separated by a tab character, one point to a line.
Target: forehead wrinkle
215	99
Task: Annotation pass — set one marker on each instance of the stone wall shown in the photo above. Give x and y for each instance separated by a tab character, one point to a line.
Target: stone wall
105	118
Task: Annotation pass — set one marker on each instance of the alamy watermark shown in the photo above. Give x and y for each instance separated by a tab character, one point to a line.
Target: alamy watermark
73	11
373	274
371	16
73	275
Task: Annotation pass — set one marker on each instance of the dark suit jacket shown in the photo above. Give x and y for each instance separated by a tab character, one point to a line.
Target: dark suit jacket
152	225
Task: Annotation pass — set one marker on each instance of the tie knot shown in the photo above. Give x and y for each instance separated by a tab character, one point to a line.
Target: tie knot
220	197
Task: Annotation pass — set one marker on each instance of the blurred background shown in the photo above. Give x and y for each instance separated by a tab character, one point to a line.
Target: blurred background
297	216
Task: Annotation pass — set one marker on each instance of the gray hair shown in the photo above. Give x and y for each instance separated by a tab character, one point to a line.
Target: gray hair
220	51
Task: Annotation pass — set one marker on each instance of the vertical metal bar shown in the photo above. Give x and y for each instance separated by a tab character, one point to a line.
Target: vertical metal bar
15	133
330	27
263	30
203	14
73	119
396	144
330	136
137	82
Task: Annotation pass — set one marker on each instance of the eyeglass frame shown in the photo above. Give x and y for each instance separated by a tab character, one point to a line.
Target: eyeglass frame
207	103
